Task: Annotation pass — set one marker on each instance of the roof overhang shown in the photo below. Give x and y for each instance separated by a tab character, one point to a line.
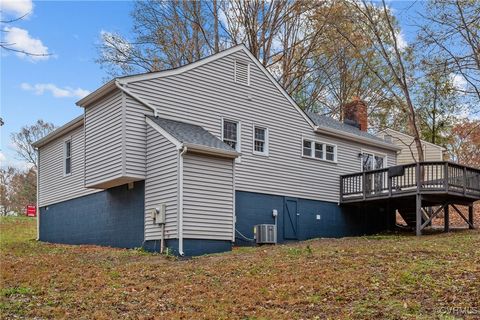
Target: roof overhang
196	148
357	138
69	126
97	94
191	147
407	135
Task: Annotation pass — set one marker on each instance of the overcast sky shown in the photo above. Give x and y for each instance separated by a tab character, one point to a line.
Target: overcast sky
47	87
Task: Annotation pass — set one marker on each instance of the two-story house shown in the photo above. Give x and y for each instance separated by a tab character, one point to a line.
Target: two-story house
216	145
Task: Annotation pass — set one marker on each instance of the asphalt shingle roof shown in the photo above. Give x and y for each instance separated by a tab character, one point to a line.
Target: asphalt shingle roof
325	121
191	133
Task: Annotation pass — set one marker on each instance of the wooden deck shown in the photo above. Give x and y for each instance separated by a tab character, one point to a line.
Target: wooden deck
412	188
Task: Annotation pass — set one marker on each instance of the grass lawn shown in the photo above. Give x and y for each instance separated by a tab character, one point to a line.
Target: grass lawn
377	277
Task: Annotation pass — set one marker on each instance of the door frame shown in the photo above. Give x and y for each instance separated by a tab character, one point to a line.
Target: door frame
286	218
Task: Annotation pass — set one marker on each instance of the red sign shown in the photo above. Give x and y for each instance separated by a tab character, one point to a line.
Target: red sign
31	210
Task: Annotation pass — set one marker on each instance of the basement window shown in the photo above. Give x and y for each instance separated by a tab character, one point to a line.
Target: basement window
319	150
242	72
67	157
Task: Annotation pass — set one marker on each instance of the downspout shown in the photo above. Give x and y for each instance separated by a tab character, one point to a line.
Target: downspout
180	200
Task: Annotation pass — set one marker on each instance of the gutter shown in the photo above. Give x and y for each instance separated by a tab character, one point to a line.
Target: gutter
354	137
211	151
183	149
122	87
69	126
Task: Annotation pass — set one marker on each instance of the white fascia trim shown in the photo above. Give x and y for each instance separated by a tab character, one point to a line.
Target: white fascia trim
212	151
214	57
357	138
277	85
97	94
66	128
164	133
190	66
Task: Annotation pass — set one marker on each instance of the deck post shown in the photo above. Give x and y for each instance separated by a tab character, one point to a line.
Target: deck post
445	176
418	215
470	216
364	185
446	218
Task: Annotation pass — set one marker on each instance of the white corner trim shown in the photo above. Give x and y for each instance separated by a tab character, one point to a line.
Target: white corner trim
164	133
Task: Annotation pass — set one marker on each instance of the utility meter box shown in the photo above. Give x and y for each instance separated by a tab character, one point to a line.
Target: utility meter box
158	214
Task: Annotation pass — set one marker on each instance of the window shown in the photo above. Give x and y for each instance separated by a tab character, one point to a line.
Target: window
260	140
307	148
330	153
372	161
230	134
319	150
242	72
68	157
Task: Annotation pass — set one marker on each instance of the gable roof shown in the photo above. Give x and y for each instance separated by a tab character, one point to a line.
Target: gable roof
69	126
409	136
322	120
194	137
328	125
122	82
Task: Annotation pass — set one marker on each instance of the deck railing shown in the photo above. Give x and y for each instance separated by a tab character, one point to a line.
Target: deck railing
429	176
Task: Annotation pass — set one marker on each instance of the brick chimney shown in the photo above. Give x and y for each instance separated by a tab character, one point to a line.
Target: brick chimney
355	114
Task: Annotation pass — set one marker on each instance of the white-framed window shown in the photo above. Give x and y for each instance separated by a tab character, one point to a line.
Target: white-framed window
260	140
372	160
231	133
319	150
242	72
67	157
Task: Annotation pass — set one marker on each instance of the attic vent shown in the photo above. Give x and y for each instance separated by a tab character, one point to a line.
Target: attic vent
242	72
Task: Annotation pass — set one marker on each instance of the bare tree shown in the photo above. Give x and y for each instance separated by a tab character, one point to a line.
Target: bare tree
9	46
396	69
6	175
451	34
28	134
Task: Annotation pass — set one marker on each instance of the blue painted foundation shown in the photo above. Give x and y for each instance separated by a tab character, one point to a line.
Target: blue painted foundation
334	221
114	217
191	247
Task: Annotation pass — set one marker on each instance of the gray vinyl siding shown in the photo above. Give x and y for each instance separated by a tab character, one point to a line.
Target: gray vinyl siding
208	204
207	93
161	184
103	139
409	153
136	137
54	186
